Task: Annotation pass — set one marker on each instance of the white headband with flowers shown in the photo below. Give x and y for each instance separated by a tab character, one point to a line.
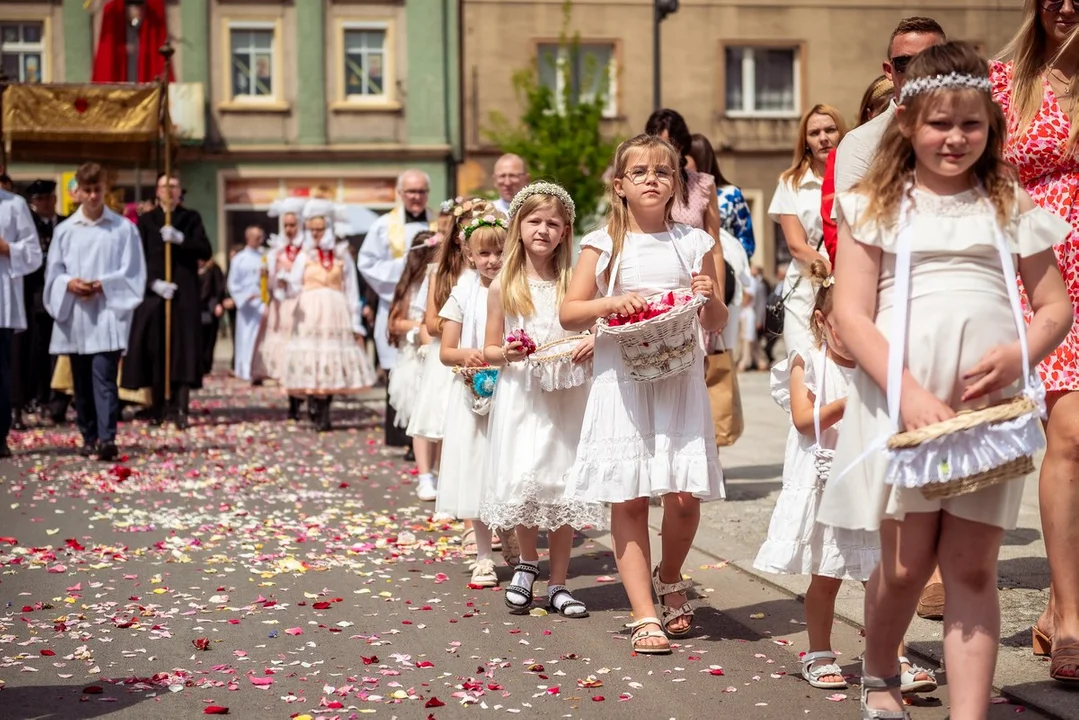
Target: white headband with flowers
544	188
482	221
951	81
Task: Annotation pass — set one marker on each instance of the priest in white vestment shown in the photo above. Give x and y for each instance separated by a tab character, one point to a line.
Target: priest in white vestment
94	279
382	260
20	255
511	175
247	272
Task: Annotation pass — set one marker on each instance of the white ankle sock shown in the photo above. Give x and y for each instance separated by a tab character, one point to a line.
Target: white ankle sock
522	579
483	541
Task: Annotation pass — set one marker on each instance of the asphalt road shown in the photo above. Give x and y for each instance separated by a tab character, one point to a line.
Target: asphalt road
257	566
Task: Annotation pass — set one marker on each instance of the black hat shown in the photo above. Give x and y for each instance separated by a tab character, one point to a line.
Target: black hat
41	187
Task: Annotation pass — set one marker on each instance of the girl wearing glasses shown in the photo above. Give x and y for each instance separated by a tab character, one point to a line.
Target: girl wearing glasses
1037	86
646	439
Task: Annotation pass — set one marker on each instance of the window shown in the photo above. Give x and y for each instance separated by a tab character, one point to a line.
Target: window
589	68
22	51
762	82
365	62
253	60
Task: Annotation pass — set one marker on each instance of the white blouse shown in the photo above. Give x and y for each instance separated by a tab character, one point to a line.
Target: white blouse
17	228
801	199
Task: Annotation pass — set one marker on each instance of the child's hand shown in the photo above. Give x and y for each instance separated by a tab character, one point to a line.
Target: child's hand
474	359
585	349
513	351
998	368
703	285
919	407
628	304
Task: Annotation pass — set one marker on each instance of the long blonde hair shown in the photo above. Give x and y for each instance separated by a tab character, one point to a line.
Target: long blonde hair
451	255
892	169
803	157
875	99
516	295
1027	52
618	212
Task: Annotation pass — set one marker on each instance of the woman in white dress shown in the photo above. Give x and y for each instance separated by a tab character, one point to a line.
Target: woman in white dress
646	439
796	207
534	431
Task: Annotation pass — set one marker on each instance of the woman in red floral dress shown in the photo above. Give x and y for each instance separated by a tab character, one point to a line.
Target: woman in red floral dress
1037	89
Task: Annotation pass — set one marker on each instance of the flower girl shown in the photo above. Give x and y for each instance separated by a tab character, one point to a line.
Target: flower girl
646	439
533	431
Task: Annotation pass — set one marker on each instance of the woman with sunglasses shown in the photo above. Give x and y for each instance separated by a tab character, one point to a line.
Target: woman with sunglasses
1037	84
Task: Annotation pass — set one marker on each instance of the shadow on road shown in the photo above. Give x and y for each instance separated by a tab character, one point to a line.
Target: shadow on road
54	702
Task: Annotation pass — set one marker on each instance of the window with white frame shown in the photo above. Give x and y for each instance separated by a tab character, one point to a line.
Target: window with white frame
589	68
22	51
253	48
365	57
762	81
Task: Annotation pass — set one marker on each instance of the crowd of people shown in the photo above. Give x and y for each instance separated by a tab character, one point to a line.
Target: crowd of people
539	392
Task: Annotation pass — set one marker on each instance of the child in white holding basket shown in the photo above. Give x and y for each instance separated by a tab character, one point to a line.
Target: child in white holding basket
927	246
533	431
462	480
646	439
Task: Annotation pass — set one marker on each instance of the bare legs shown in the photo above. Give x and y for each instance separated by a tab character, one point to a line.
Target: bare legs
820	614
426	452
967	554
1058	490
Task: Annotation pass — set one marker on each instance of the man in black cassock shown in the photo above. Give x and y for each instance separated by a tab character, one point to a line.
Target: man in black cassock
144	365
31	364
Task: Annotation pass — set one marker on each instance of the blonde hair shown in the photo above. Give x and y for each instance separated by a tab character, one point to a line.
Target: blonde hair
618	212
451	257
516	295
487	237
892	169
1027	51
875	98
803	157
822	302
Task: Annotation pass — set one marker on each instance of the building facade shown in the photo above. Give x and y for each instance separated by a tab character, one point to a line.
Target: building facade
275	98
741	72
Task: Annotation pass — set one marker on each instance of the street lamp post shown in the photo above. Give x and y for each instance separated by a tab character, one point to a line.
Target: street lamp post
661	9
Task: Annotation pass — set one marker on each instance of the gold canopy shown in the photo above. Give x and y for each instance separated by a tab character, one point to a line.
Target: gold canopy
70	123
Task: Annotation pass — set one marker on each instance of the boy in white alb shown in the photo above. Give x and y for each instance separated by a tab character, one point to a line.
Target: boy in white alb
94	279
245	287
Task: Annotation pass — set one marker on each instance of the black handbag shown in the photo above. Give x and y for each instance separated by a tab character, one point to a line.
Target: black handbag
773	319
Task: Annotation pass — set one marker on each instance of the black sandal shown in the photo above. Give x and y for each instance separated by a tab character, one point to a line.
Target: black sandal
553	594
516	609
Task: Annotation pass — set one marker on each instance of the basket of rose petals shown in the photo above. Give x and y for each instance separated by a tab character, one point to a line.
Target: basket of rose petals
659	341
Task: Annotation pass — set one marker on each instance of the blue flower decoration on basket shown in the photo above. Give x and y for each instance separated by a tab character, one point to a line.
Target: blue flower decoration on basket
483	382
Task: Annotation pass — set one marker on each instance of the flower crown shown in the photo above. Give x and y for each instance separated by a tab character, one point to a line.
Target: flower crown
951	81
430	242
828	281
483	221
462	206
447	205
544	188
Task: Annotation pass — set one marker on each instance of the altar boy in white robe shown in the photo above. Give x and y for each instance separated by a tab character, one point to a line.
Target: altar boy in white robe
247	271
94	279
20	255
381	262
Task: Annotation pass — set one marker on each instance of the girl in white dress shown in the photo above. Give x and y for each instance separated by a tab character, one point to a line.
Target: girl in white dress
534	432
429	415
406	332
641	440
812	386
462	479
927	243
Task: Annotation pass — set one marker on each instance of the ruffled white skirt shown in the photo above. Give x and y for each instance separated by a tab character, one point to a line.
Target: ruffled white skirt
462	477
404	386
645	439
323	356
429	413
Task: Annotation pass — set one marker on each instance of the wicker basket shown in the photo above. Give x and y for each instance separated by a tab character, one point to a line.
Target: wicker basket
1012	409
552	365
660	347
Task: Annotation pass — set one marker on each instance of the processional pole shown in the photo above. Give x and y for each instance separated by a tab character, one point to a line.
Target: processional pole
167	52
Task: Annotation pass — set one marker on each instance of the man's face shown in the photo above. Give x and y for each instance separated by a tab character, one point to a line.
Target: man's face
414	192
510	177
168	190
44	205
253	238
291	225
92	196
903	50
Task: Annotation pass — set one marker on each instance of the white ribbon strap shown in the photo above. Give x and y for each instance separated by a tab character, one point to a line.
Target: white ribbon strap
818	397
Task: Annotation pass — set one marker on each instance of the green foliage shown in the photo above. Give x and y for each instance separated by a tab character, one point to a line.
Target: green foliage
559	133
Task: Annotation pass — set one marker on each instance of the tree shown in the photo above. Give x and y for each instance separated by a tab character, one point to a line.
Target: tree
559	134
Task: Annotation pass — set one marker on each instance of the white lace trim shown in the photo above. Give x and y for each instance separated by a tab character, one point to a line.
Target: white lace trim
965	453
563	374
530	511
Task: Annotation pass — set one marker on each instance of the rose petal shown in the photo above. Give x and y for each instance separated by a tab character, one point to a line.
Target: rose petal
215	710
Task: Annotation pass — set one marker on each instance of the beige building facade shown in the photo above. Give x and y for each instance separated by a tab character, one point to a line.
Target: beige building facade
741	72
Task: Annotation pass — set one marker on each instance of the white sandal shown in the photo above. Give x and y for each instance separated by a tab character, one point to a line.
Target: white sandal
812	673
911	683
639	634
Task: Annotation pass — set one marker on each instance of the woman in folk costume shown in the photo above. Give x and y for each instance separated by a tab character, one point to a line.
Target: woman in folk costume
325	353
285	247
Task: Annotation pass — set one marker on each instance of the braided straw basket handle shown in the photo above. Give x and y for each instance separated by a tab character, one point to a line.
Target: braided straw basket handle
691	306
555	357
1017	407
